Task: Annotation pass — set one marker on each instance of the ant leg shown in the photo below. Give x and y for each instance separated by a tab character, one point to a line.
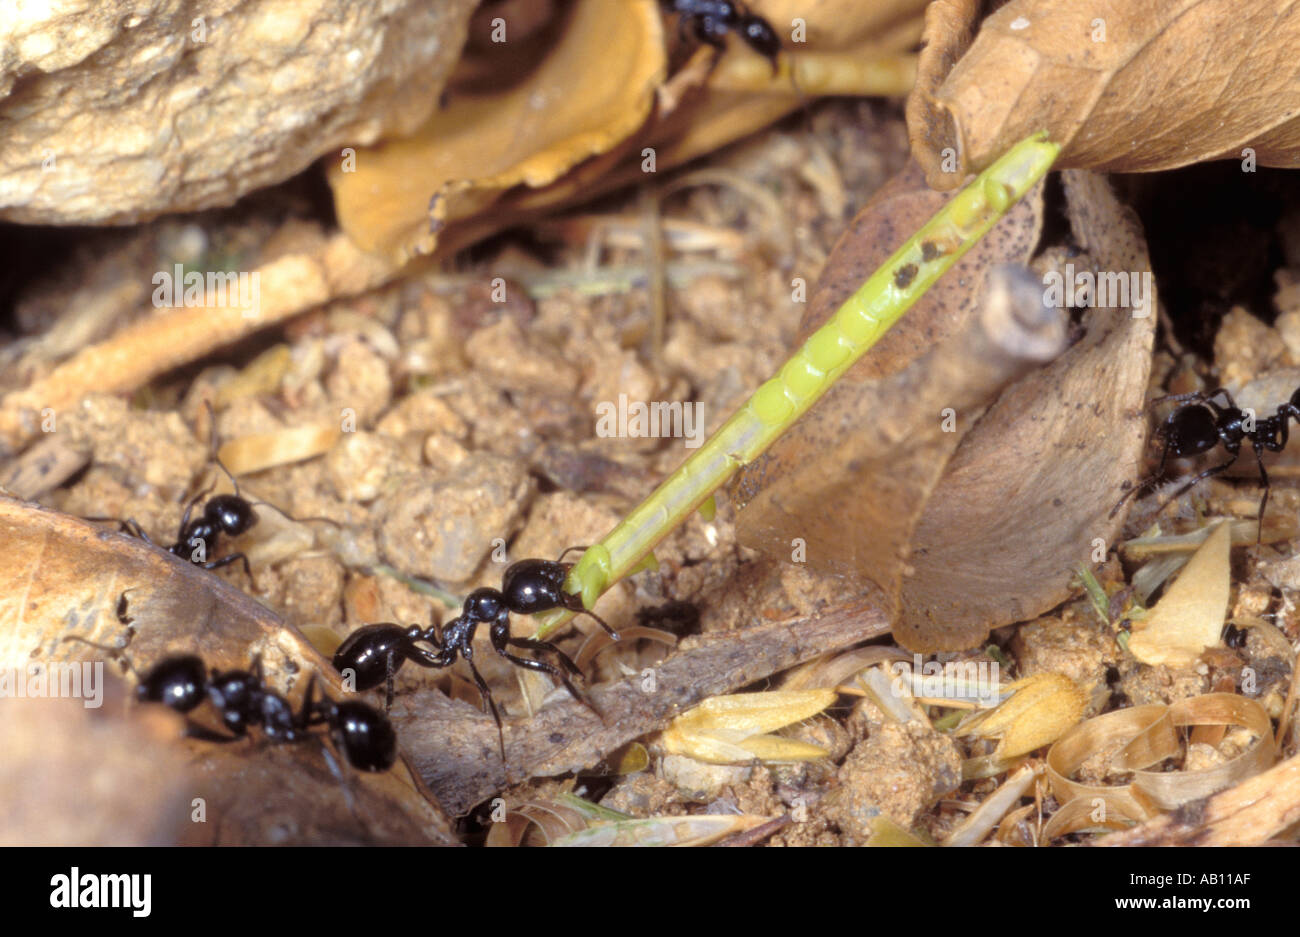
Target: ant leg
1215	470
311	713
227	560
1160	471
500	636
574	604
189	509
487	695
127	526
1197	396
1263	502
212	446
533	644
567	551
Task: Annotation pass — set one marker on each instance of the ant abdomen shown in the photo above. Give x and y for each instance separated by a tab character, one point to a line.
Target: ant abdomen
370	651
177	682
364	735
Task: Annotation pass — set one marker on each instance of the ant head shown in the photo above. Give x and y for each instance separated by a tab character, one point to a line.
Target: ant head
484	605
364	735
177	682
760	36
231	513
532	586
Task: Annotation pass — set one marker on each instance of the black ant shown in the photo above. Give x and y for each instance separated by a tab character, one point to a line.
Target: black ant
231	515
181	682
1199	424
363	734
374	653
711	20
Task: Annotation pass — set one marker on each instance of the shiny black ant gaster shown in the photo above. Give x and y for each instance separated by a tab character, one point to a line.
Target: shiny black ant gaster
374	653
711	20
1200	423
242	699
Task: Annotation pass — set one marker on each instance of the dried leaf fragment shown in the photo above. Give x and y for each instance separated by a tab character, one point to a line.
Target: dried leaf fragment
1125	86
730	729
1189	617
1040	710
594	88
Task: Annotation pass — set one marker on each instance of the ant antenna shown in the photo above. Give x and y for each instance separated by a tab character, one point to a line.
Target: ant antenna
116	652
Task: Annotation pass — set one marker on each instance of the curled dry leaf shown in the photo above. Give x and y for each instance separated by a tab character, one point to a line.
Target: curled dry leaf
840	24
477	147
968	530
1123	86
1138	740
1250	813
849	481
1189	617
62	577
549	133
1026	497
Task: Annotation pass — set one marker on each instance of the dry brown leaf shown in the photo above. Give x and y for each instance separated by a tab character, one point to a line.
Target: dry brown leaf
849	481
477	147
1189	617
841	24
1123	85
1027	495
61	576
554	135
864	483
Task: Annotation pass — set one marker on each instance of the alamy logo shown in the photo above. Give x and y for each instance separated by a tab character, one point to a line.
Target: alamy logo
83	680
241	290
102	891
975	681
656	420
1104	290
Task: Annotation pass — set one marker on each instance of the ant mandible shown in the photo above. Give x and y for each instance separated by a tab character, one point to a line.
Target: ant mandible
374	653
711	20
1200	423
